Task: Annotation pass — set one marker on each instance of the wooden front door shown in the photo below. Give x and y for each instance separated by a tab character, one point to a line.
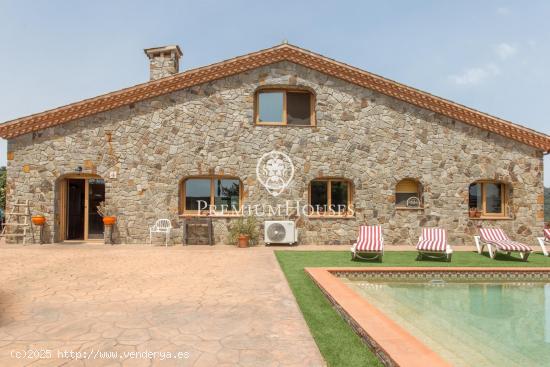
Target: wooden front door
80	220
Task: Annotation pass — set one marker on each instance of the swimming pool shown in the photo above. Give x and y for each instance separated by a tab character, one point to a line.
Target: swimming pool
441	317
469	323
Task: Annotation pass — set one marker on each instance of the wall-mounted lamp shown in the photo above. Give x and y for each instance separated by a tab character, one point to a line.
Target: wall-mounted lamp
78	169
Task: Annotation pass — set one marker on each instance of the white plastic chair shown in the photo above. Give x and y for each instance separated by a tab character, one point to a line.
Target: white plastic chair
544	240
161	226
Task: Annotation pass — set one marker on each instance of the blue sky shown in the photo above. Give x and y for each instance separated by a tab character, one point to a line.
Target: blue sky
491	55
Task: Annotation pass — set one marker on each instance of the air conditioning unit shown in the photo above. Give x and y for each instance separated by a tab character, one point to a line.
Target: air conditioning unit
280	231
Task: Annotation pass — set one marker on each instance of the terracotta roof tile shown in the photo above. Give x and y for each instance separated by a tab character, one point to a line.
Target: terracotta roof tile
268	56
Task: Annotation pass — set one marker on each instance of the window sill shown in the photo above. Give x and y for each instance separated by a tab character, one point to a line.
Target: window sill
280	125
194	215
490	218
407	208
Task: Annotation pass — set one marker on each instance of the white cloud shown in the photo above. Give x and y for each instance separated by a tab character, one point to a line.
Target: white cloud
475	75
503	11
479	74
505	50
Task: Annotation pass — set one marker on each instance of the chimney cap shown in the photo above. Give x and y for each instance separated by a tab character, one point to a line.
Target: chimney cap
155	51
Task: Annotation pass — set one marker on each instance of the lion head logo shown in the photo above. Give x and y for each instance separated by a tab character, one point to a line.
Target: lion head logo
275	171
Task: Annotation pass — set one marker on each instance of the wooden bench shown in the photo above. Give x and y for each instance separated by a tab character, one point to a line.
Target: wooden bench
197	222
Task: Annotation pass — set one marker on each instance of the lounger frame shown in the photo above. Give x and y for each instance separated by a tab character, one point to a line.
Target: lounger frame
543	241
367	255
448	254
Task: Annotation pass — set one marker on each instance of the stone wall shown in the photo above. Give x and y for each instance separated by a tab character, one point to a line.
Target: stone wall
371	139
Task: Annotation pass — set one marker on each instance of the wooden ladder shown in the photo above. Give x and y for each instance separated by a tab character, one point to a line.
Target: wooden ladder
18	221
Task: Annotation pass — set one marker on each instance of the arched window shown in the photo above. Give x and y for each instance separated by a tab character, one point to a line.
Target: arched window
487	199
211	195
330	196
408	194
292	107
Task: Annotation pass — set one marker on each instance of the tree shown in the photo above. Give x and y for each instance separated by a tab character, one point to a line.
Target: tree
3	174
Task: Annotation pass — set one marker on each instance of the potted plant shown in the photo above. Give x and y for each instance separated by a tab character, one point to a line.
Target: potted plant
38	220
244	231
474	213
107	212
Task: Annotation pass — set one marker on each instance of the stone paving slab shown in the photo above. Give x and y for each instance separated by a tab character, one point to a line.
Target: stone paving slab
222	305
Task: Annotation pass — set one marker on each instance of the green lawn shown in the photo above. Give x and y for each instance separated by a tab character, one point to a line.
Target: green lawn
337	342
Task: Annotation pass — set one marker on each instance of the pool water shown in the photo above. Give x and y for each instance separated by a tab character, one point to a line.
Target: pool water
469	324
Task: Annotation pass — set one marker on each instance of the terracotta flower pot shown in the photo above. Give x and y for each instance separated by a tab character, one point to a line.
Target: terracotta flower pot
109	221
38	220
474	213
244	240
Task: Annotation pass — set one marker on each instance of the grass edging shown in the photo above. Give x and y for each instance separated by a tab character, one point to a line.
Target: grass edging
337	341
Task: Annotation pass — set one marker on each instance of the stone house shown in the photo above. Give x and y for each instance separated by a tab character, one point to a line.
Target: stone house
364	149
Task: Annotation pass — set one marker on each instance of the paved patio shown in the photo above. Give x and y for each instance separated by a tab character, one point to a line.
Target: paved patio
221	305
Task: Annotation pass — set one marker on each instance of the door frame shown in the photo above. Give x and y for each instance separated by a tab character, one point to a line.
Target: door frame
63	227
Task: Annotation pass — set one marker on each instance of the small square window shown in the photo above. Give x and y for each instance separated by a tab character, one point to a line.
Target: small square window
197	190
202	195
408	194
339	196
270	107
330	197
281	107
493	198
319	196
298	108
487	199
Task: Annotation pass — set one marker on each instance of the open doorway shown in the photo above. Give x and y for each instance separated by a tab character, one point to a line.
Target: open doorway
79	198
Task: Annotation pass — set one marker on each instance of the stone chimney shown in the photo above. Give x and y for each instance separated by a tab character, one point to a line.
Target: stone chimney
163	61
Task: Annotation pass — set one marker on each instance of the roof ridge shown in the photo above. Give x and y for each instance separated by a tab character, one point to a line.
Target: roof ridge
460	105
267	56
132	87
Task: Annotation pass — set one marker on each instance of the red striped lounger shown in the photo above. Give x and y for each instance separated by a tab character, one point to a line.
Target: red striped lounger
434	241
370	241
496	237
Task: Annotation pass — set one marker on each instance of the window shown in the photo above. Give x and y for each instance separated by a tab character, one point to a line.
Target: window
408	194
219	194
487	199
330	197
284	107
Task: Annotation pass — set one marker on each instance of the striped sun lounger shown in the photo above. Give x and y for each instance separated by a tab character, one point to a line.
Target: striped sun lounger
497	241
433	243
370	243
544	240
